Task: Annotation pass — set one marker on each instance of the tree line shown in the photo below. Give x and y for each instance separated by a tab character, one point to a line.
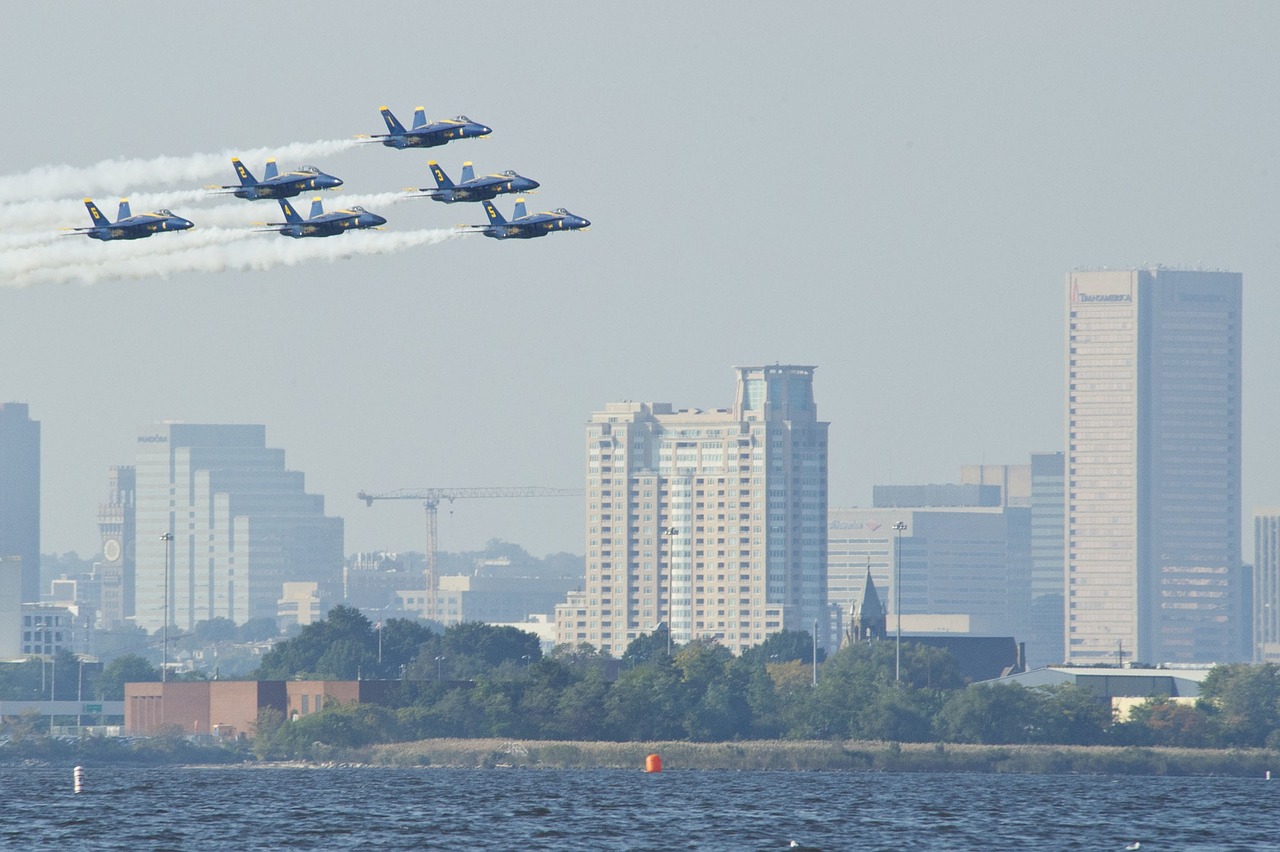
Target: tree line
476	680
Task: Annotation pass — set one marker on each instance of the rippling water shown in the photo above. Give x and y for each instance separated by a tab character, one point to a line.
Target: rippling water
271	808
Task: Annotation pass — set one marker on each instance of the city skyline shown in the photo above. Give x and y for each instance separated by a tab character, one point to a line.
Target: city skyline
880	198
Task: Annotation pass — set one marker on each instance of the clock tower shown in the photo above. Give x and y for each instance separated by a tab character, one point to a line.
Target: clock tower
116	571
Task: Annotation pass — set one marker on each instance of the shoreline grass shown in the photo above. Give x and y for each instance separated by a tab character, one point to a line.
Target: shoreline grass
820	755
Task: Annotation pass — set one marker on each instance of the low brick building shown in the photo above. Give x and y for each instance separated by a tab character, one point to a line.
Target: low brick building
230	708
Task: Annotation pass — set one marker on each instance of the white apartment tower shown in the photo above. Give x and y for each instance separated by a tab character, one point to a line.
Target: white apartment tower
1153	467
713	522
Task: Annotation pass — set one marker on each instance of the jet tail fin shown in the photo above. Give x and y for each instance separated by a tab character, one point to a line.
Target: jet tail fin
95	214
442	179
317	207
246	179
394	127
520	212
271	171
123	212
468	172
419	118
290	215
495	218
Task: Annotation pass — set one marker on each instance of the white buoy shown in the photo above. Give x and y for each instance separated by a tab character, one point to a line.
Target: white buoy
1268	774
78	775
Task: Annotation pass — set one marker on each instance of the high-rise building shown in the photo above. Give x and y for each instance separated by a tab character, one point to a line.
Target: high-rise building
1153	466
711	522
20	494
115	574
1266	585
242	526
1048	574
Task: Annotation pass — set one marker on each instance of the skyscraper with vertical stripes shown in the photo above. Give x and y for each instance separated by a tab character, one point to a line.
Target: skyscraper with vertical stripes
1153	467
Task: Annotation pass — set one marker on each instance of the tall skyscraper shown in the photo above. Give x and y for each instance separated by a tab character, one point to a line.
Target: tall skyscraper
242	526
1153	466
20	494
713	522
1266	585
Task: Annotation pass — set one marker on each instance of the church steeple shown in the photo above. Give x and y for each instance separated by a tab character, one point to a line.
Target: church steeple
868	620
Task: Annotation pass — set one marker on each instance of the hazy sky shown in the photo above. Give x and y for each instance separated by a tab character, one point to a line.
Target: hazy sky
890	191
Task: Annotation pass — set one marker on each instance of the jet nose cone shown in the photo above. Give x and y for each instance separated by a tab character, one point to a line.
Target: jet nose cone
531	184
485	131
183	224
377	220
582	223
332	182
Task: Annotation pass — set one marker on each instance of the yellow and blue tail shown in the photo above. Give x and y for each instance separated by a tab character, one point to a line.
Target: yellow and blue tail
442	179
394	127
246	178
123	212
290	215
419	118
495	218
95	214
271	171
468	172
317	208
520	212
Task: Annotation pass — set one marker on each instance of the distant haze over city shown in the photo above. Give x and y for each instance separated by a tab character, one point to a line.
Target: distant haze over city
893	194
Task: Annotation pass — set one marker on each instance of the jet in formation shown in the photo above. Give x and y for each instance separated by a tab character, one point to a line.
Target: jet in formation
276	185
472	188
427	134
127	226
524	225
320	223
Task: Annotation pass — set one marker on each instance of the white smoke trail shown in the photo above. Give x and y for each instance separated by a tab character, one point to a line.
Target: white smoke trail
45	182
29	239
212	250
70	212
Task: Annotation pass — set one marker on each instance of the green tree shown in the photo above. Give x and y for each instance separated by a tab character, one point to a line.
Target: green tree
1246	700
1161	722
991	714
214	630
21	681
257	630
473	648
345	642
645	703
127	669
647	647
1074	715
580	709
785	646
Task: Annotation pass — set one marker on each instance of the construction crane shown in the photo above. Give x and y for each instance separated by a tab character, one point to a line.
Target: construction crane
431	498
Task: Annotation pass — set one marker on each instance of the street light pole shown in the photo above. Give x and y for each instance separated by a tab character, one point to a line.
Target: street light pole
898	527
815	652
167	538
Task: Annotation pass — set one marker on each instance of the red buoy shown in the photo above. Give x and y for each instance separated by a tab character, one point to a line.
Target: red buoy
653	763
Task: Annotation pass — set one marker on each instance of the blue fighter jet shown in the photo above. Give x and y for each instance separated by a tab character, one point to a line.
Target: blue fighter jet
427	134
320	223
127	226
276	185
474	188
524	225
